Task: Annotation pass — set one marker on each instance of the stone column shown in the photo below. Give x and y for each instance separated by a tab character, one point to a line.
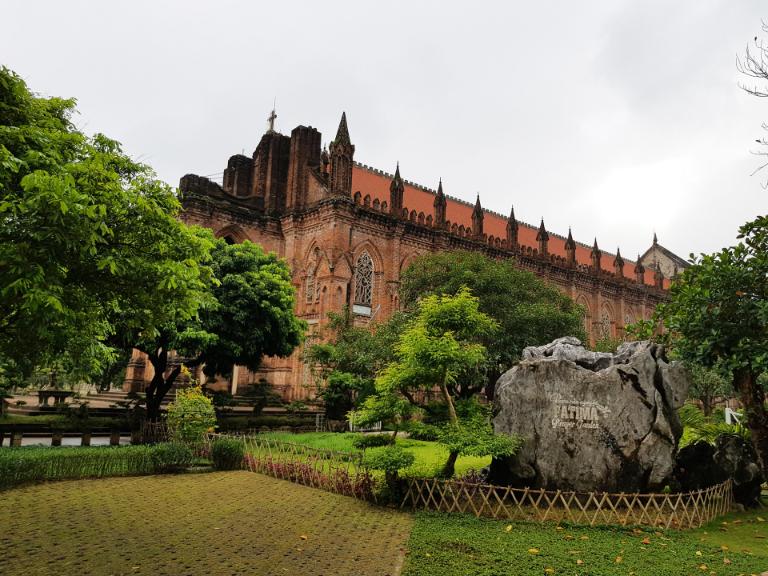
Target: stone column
235	377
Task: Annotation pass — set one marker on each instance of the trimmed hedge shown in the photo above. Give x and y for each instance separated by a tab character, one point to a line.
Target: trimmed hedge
39	464
255	422
227	453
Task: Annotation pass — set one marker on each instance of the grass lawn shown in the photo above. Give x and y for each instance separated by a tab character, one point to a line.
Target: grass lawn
430	456
462	545
223	523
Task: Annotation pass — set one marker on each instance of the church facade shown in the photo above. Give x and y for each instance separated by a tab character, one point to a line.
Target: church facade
348	230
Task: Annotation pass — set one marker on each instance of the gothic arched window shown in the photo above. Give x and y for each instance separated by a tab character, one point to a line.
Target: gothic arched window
605	323
363	284
309	286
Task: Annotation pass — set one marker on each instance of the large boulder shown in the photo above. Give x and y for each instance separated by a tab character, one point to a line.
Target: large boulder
590	420
701	465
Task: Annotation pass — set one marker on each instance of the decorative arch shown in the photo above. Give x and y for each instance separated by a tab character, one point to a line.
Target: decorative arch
367	201
357	197
384	206
376	204
420	218
232	234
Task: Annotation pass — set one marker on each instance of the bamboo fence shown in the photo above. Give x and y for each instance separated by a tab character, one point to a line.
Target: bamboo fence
330	470
676	511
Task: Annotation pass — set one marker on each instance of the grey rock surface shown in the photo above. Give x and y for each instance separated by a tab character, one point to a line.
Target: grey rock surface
590	420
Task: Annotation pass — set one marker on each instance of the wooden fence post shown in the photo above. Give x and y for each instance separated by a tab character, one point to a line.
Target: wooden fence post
86	439
114	438
16	438
56	438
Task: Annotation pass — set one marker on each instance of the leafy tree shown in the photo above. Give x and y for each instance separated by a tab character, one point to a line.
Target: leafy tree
718	315
90	246
191	415
347	363
529	311
707	385
247	314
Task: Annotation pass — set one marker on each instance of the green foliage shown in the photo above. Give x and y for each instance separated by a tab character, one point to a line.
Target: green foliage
231	423
423	431
697	426
171	457
528	310
39	464
371	441
390	459
607	344
227	453
475	437
347	363
91	250
191	416
439	345
296	406
707	385
718	316
249	314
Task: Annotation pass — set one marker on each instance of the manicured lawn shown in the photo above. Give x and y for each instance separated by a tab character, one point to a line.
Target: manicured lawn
430	456
458	545
224	523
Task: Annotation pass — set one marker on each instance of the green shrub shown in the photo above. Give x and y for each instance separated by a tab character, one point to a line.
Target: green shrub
171	457
39	464
227	453
390	459
254	423
422	431
371	441
191	416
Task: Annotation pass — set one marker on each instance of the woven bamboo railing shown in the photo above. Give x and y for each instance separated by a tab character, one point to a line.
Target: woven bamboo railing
339	472
677	511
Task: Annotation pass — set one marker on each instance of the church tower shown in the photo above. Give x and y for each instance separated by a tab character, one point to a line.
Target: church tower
396	190
341	155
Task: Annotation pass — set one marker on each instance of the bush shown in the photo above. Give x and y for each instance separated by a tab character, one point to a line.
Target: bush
39	464
254	423
227	454
390	459
171	457
371	441
421	431
191	415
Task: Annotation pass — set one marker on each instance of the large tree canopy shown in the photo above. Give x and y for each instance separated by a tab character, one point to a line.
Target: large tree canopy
718	314
528	311
91	251
248	314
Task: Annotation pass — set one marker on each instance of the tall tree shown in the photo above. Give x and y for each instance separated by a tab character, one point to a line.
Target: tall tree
754	64
248	314
90	247
528	311
718	314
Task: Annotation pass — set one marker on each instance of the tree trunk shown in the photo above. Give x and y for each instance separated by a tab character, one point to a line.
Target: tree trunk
706	405
450	466
753	398
449	401
160	384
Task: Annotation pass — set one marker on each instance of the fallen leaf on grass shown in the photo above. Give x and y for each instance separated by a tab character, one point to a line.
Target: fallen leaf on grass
508	528
703	567
759	519
567	537
559	528
303	537
619	560
645	540
584	538
533	550
549	570
579	562
726	561
698	553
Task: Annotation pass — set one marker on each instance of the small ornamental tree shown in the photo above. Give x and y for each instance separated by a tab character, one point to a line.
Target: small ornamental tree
191	416
718	314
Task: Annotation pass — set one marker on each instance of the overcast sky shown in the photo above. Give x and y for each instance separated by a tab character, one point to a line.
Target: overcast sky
618	118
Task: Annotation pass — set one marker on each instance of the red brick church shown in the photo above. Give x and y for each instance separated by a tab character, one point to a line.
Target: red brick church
347	231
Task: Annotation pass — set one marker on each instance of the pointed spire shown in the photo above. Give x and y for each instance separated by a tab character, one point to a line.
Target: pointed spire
396	191
439	205
618	263
595	256
543	239
542	233
655	239
658	276
639	271
512	230
570	244
342	134
477	218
